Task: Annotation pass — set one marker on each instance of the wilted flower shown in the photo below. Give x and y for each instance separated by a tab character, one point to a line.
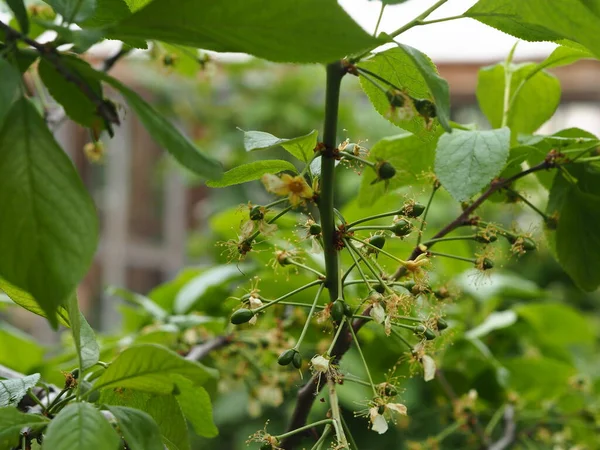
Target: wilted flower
379	411
296	188
254	303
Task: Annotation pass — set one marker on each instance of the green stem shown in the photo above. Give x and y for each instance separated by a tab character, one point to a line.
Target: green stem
459	258
378	250
528	203
436	186
369	218
310	313
319	444
364	361
304	428
348	433
335	414
507	82
357	158
383	5
369	266
403	339
302	266
430	242
373	227
275	203
270	221
335	338
289	294
443	19
365	72
36	400
335	72
448	431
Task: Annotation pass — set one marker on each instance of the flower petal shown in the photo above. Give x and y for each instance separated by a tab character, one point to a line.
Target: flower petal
428	367
379	424
397	407
274	184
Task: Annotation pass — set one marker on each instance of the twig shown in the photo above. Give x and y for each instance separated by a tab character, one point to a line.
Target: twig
104	108
199	352
463	218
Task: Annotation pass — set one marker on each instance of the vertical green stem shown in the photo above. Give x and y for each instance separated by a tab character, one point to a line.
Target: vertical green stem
335	72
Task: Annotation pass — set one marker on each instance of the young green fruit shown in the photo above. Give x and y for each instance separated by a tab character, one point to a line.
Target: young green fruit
380	288
395	97
412	210
286	357
377	241
385	170
347	310
337	310
241	316
401	227
441	324
297	360
425	108
314	229
429	334
256	213
487	264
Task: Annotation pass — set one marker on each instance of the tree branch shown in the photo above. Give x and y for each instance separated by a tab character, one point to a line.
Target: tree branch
463	218
510	430
104	108
199	352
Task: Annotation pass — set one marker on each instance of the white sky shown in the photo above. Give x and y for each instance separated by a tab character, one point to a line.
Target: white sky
457	40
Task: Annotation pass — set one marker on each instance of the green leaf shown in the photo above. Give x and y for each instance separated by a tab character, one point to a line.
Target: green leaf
194	291
408	154
578	234
14	389
195	404
466	161
301	147
565	55
539	379
138	427
144	302
495	321
11	87
18	350
541	20
569	327
286	31
73	10
150	368
77	105
107	12
18	9
534	93
164	409
437	85
13	421
53	228
251	171
80	425
88	351
26	301
400	68
166	135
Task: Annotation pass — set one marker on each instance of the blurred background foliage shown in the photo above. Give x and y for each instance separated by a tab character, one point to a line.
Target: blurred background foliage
522	336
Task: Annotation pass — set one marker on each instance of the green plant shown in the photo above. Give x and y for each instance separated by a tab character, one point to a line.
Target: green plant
138	394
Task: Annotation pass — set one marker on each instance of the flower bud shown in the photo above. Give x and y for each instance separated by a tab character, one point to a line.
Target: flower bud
337	310
385	170
286	357
256	213
425	108
401	228
297	360
377	241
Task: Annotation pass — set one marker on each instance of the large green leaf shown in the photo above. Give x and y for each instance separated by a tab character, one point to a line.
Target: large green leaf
77	105
13	421
251	171
408	154
578	233
88	351
150	368
539	379
166	135
164	409
142	301
195	404
437	85
304	31
14	389
138	428
534	93
401	69
541	20
18	350
107	12
11	87
466	161
301	147
26	301
49	229
18	9
74	10
80	425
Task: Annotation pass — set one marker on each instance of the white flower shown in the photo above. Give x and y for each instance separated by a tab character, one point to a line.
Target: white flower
378	422
377	312
254	302
428	367
320	364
